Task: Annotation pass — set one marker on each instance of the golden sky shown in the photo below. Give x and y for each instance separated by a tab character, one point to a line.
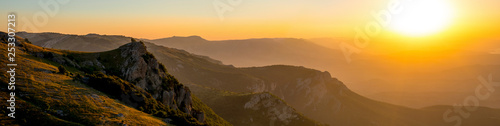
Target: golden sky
472	20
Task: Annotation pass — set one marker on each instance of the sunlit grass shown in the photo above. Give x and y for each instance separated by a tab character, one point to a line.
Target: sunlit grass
61	98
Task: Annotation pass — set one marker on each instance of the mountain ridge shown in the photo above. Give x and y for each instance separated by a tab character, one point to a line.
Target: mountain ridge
354	109
143	77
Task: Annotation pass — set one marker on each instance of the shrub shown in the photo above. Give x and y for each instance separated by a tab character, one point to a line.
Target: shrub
77	77
27	41
163	68
169	82
111	85
88	69
148	56
62	70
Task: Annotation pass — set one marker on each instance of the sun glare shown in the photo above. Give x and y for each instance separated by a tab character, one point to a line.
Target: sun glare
423	17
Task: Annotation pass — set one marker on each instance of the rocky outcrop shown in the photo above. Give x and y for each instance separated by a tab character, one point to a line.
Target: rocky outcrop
274	108
140	67
133	63
144	72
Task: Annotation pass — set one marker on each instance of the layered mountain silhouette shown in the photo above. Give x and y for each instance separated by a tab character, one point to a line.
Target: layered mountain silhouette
280	93
375	74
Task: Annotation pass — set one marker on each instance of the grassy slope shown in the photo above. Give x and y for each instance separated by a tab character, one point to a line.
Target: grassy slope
110	60
373	107
42	92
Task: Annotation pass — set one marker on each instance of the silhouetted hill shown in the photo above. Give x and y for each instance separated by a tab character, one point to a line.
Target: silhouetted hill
257	52
396	71
87	43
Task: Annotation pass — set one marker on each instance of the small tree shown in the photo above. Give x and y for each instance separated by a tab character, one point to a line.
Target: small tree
77	77
27	41
133	40
62	70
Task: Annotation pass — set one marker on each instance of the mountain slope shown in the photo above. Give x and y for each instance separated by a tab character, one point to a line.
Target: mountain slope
254	109
370	75
94	64
45	97
257	52
144	84
85	43
401	69
309	91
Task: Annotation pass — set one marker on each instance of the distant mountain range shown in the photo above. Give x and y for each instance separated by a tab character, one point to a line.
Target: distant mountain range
370	74
276	94
232	92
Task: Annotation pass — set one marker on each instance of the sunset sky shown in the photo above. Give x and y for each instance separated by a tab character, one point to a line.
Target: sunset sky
469	20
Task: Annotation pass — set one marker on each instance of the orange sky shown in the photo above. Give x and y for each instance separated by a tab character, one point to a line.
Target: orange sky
250	19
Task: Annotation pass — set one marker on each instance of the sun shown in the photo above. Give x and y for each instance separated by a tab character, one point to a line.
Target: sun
423	17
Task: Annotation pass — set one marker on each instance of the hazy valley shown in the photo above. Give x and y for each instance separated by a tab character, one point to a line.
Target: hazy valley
440	77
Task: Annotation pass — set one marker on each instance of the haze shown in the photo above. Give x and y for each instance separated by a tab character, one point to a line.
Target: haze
472	31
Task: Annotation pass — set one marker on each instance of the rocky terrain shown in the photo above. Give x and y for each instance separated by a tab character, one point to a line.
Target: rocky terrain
254	109
176	59
127	73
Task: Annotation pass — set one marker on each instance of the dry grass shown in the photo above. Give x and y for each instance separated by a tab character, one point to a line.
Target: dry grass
41	87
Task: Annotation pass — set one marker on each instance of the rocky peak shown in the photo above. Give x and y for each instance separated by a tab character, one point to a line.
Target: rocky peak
143	69
133	63
133	49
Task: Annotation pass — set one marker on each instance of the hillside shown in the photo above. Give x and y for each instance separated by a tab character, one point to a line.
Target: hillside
78	88
372	73
180	55
257	52
254	109
85	43
309	91
314	93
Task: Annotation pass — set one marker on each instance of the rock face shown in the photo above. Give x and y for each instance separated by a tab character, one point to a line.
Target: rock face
140	67
133	63
143	72
251	109
275	109
314	93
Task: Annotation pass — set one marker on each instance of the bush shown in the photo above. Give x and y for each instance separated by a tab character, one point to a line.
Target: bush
111	85
77	77
169	82
62	70
163	68
147	57
27	41
88	69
